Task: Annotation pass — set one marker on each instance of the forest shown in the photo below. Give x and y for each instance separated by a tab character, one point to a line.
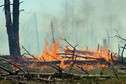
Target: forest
76	42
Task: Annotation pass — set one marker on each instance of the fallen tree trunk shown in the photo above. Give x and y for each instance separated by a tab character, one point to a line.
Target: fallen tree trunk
123	68
58	75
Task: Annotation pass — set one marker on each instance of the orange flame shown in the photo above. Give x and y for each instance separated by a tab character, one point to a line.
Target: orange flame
88	59
49	53
102	56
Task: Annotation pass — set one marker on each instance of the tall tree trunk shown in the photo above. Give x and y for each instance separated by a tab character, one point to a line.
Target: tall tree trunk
9	25
13	29
123	52
16	28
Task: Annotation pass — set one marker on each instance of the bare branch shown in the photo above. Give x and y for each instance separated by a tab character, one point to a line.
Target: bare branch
58	68
43	59
121	38
83	69
30	54
1	5
117	32
67	42
21	10
4	5
71	66
21	2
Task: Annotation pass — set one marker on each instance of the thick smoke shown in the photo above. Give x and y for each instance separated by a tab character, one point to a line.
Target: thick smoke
83	22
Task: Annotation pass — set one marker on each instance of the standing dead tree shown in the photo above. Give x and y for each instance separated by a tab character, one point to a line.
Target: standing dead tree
123	39
123	51
52	32
13	28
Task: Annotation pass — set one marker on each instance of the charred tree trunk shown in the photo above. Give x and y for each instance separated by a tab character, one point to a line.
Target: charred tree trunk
123	52
8	24
16	28
13	28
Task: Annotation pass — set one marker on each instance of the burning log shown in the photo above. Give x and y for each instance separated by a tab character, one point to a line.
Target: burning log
85	57
83	62
80	52
66	56
84	52
73	51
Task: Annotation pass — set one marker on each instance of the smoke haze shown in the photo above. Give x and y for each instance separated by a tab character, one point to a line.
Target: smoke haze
83	22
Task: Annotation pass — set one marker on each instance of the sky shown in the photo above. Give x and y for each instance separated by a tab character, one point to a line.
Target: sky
83	22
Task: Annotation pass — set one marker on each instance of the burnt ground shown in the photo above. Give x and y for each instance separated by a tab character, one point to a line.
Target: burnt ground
75	76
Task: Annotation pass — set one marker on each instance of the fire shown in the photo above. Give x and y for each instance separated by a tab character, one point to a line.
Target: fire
49	53
88	59
85	58
99	58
